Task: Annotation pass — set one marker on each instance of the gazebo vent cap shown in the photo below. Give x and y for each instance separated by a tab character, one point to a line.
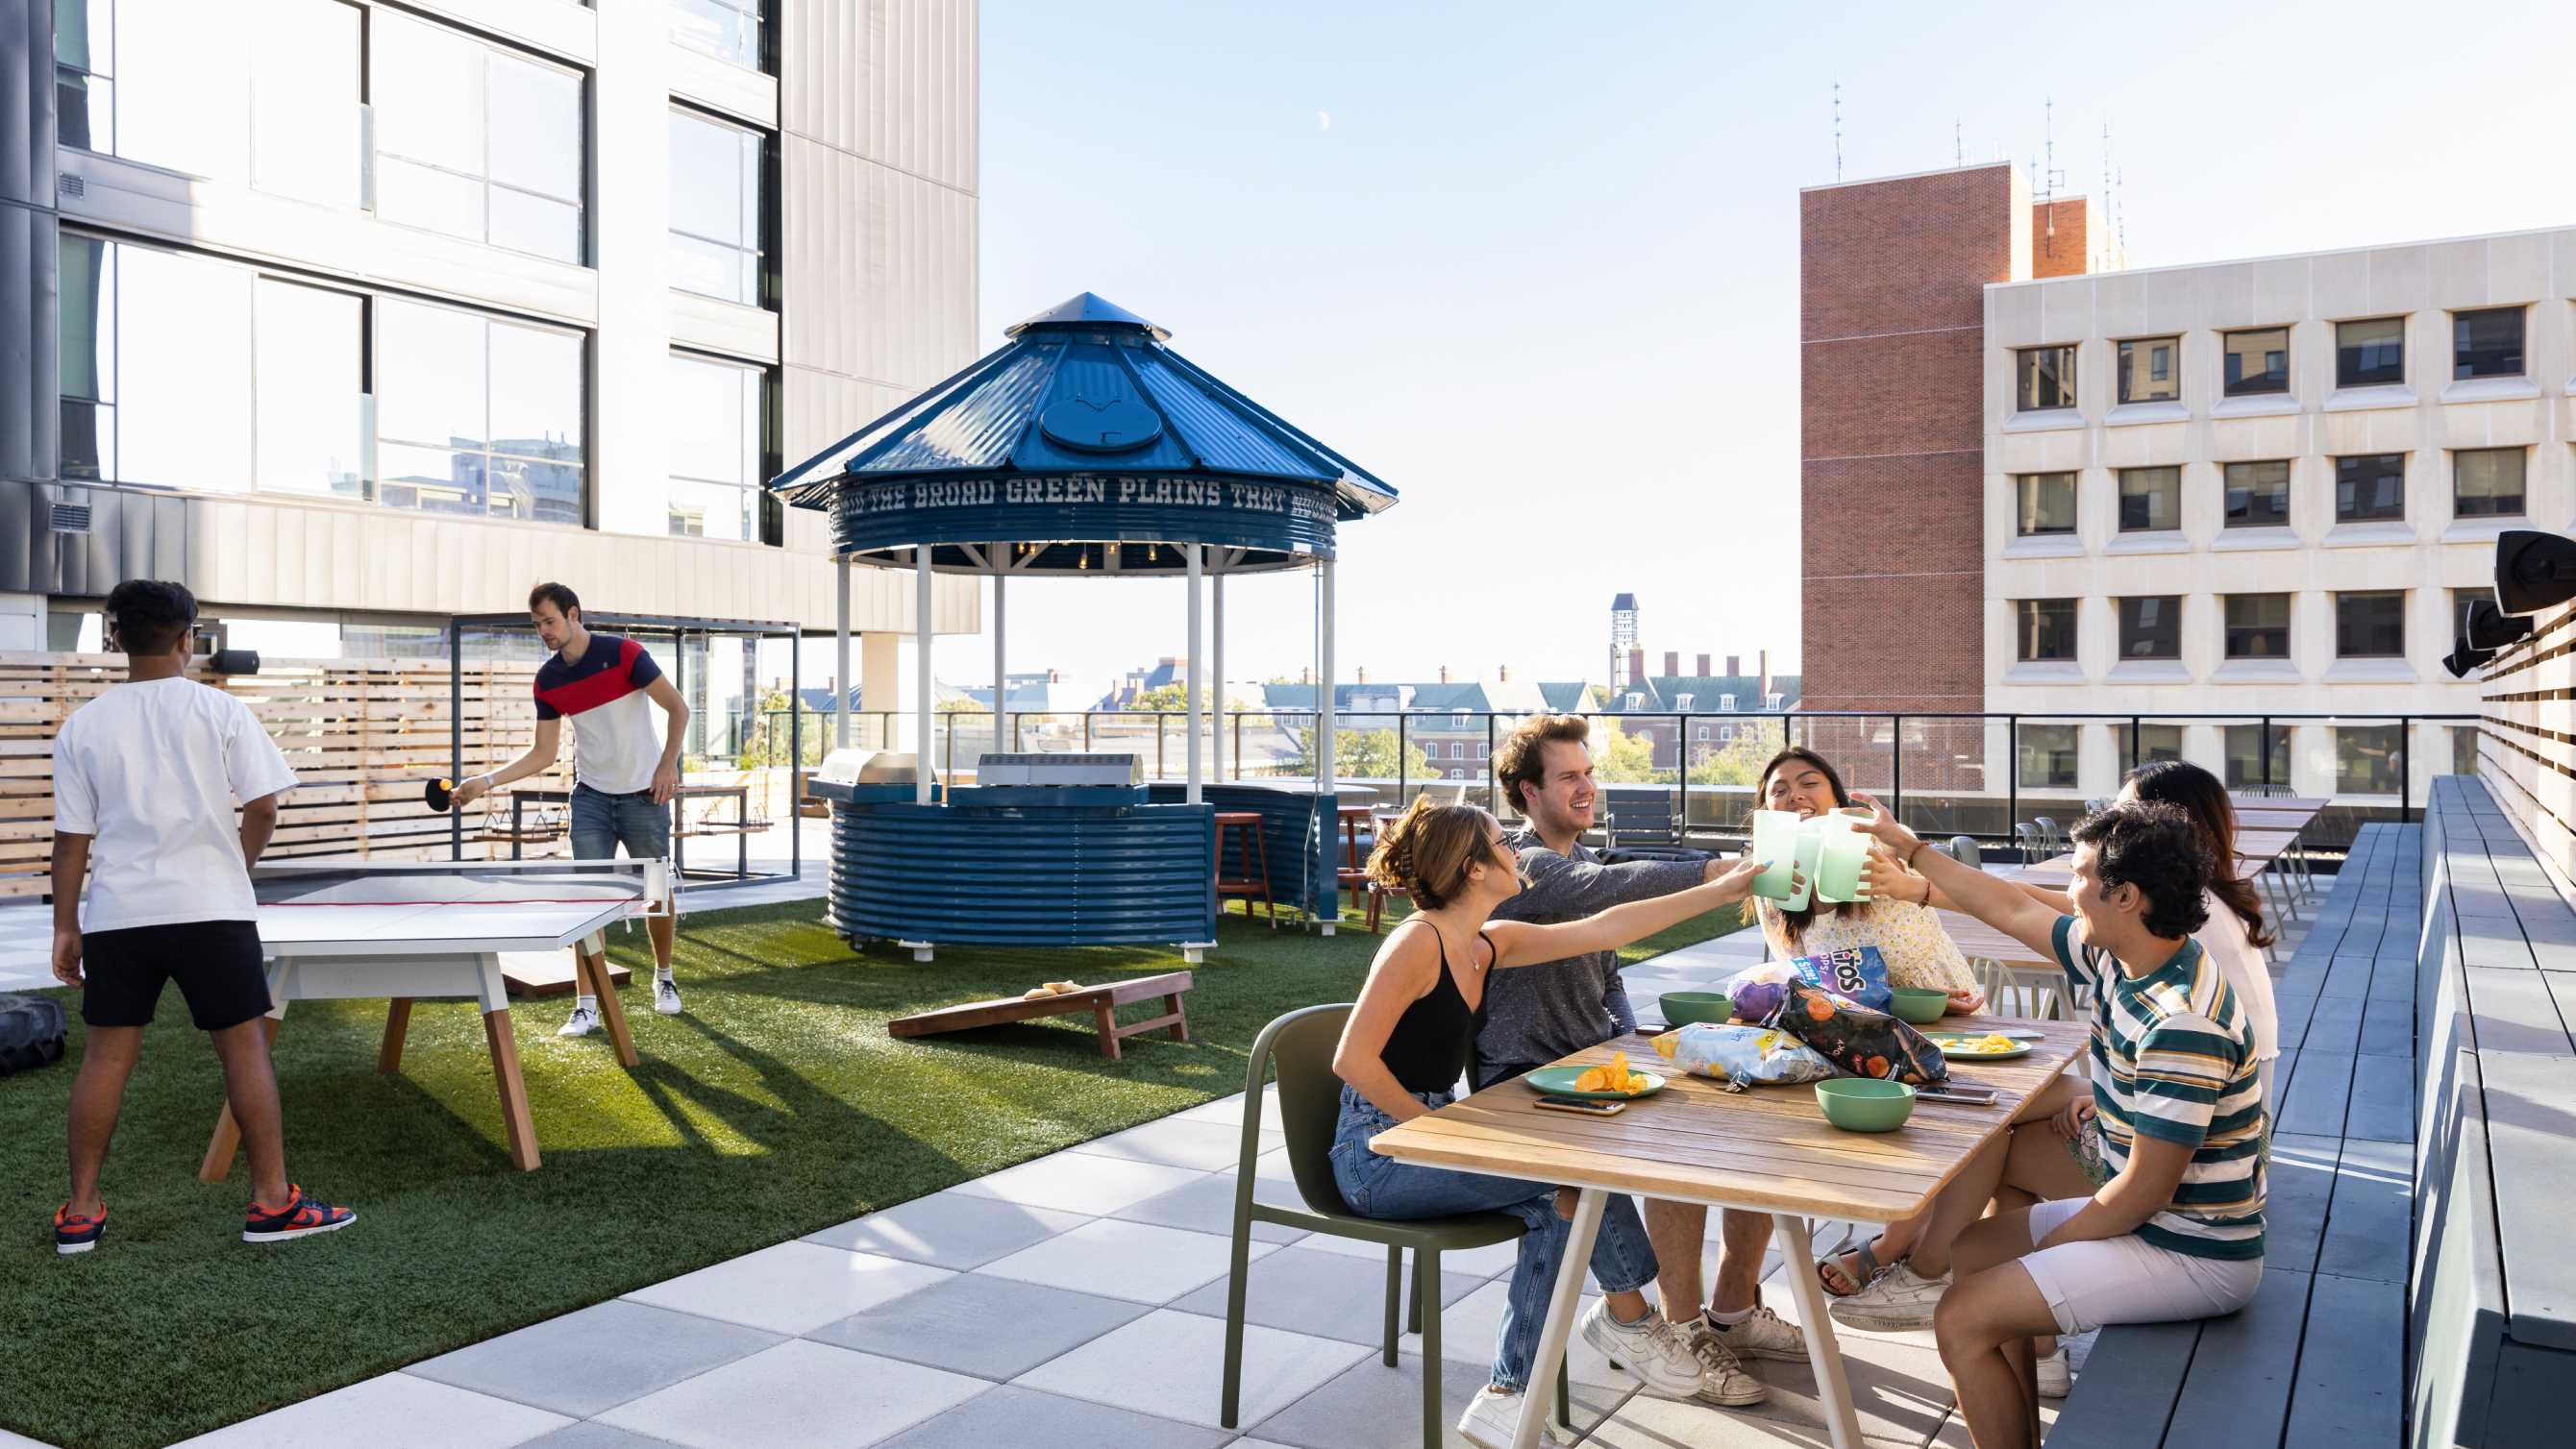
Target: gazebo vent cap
1088	311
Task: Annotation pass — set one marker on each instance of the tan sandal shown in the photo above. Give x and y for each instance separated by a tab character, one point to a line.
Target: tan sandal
1829	1268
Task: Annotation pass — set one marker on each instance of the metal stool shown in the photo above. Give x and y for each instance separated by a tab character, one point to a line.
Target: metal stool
1256	851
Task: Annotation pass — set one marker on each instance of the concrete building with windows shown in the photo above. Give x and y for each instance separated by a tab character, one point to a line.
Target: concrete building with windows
355	314
2036	481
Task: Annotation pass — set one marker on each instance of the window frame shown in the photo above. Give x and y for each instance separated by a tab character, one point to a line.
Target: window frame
762	176
764	519
2352	376
2024	487
2057	743
2522	499
2172	491
491	50
586	504
2027	375
2169	631
2463	366
2032	623
763	59
2230	629
2261	385
2346	628
2121	370
2391	760
2226	514
2345	488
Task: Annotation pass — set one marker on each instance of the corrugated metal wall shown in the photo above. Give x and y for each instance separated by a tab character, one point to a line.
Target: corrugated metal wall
892	80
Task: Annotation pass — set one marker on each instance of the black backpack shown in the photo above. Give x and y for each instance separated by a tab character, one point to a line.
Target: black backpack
31	1033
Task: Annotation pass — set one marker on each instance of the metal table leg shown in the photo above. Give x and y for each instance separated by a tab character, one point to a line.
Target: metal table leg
1833	1390
1553	1339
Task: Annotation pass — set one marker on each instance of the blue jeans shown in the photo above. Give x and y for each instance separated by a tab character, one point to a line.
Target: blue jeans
601	822
1381	1187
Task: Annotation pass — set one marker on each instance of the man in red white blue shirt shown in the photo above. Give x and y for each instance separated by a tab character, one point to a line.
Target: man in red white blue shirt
623	775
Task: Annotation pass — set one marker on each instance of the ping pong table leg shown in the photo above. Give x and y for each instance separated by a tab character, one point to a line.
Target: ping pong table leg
522	1132
397	1029
225	1145
590	963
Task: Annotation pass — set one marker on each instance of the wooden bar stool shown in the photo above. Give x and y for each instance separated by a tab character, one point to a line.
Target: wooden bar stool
1352	877
1255	851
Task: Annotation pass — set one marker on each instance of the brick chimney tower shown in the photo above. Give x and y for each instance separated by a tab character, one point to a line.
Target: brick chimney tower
1672	661
1734	665
1502	674
1703	666
1764	688
1636	666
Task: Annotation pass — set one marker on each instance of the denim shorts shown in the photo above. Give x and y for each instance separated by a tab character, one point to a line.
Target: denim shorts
601	822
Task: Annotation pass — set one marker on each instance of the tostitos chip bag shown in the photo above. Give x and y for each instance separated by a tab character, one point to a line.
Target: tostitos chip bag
1742	1056
1860	1041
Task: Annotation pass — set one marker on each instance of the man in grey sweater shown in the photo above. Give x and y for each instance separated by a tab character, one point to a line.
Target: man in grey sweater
1535	1016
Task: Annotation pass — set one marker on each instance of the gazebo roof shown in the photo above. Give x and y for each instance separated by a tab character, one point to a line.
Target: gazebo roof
1085	443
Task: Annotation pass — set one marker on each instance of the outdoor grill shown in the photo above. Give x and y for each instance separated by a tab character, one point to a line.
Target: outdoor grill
1059	769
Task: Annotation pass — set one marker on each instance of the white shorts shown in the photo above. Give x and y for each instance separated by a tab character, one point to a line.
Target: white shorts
2128	1279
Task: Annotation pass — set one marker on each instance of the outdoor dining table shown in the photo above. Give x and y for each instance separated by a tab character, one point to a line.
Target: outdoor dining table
1766	1150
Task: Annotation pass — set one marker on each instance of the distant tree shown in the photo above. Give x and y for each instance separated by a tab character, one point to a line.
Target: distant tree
1733	762
1364	755
1619	757
1174	698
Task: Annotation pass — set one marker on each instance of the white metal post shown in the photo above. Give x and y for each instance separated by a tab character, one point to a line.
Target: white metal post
1001	681
1216	673
841	651
1324	726
927	761
1190	674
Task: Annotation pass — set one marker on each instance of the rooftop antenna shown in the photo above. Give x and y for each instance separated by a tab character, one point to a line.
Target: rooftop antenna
2106	170
1958	145
2045	184
1838	130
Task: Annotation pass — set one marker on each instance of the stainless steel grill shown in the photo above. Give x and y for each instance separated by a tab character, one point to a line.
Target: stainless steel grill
1041	768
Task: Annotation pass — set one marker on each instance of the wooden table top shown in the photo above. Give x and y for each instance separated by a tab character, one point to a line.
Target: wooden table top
2309	803
1767	1148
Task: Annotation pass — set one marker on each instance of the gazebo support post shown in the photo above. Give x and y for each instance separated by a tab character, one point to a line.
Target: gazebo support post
1190	671
1001	682
1324	735
1216	671
925	762
841	687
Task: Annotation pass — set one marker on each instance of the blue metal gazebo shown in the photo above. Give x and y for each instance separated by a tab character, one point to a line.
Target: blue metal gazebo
1084	447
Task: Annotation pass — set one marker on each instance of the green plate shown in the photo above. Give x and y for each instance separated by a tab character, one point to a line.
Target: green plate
1559	1082
1949	1044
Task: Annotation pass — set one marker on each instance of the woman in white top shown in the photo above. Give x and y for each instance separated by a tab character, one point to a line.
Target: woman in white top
1897	918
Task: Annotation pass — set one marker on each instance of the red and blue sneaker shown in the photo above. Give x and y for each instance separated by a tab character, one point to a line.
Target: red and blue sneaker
301	1217
76	1234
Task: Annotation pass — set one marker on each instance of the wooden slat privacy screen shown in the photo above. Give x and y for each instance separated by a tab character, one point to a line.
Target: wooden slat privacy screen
2527	753
360	734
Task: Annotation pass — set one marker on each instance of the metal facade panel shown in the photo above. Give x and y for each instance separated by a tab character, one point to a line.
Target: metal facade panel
823	407
896	81
880	268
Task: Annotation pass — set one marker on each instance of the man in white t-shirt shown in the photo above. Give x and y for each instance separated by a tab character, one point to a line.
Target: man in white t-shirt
624	770
145	777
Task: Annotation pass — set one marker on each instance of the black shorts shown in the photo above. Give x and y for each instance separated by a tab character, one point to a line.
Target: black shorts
216	963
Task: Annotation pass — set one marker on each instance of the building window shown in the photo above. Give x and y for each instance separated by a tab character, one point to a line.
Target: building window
2151	627
2044	503
2370	487
1702	733
2048	756
1482	749
156	367
2258	626
2486	343
2149	743
1457	750
477	416
1726	703
2464	749
2245	763
2366	759
308	381
729	30
2486	482
2371	625
2045	628
2370	352
190	87
475	141
1726	734
1683	701
2150	499
2461	599
2046	378
2258	361
2147	370
715	208
717	419
2258	494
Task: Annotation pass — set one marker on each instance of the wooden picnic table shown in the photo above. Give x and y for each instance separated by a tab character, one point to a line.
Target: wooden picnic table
2309	803
1765	1150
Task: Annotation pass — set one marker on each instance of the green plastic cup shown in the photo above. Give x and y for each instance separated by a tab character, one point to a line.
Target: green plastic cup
1775	839
1865	1104
1811	839
1838	865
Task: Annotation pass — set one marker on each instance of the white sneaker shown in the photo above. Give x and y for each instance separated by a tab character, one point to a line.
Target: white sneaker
2056	1376
1765	1335
1650	1348
1899	1301
1722	1379
583	1021
1492	1418
666	996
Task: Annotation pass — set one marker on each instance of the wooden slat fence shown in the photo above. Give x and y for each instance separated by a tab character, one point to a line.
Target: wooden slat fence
360	734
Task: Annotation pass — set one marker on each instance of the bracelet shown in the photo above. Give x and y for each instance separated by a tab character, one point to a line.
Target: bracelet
1908	862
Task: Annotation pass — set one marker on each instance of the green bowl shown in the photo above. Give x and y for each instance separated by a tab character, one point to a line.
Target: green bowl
1682	1008
1919	1006
1865	1104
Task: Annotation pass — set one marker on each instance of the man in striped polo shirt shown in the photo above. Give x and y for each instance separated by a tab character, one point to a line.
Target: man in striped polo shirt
2177	1231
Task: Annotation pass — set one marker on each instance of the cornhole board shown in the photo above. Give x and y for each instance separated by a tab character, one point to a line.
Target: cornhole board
1101	1001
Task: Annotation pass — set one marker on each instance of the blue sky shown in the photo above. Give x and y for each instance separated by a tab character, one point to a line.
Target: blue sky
1537	267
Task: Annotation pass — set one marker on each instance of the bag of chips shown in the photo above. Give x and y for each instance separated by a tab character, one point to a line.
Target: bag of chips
1856	974
1758	991
1742	1056
1858	1040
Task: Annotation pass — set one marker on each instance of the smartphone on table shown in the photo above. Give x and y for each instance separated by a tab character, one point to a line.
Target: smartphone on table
1587	1106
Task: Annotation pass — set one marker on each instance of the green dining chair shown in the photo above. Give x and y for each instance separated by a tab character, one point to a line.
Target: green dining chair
1301	1044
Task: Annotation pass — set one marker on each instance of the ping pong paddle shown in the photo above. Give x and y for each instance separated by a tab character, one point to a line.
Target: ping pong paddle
437	794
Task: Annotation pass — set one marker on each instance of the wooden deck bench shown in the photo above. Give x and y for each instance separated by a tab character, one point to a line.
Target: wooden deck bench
1102	1002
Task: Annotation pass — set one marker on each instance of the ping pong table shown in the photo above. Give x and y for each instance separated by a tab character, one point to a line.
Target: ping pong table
402	932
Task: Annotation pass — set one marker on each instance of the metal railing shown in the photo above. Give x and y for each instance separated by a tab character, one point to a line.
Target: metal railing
1959	772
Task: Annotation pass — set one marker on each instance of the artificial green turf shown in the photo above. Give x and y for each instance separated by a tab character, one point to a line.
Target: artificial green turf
777	1106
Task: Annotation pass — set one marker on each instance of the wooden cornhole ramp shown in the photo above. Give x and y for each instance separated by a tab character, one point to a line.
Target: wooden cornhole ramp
1102	1002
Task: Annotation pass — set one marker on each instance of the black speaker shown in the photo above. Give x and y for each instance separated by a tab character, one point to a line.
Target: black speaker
2491	628
234	661
2463	659
2534	571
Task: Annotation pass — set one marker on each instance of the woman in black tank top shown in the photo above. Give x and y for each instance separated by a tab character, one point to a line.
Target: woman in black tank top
1405	1047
